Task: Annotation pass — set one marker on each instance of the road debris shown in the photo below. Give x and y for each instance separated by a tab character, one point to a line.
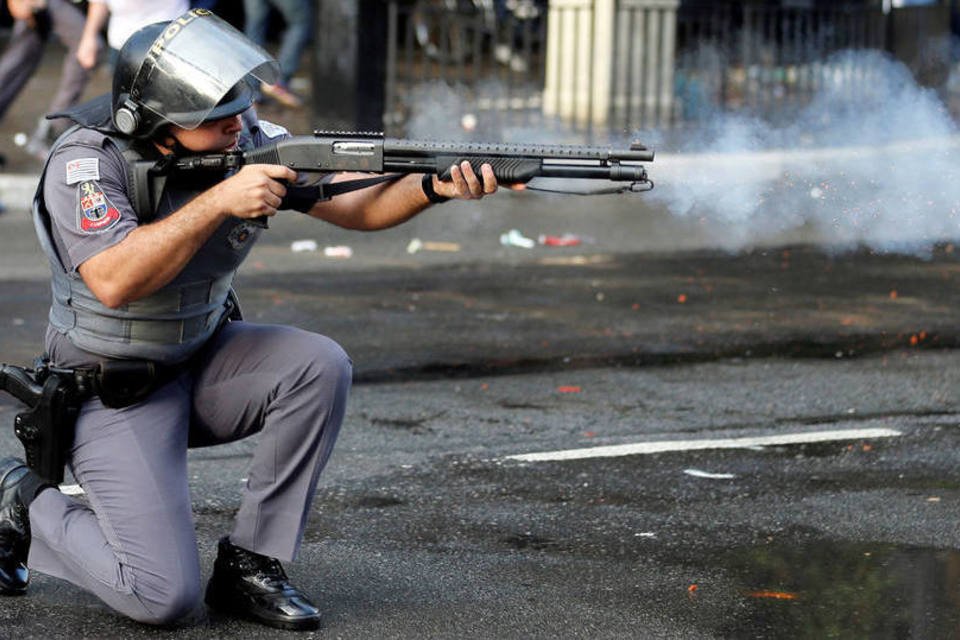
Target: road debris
514	238
773	595
417	245
299	246
340	252
565	240
697	473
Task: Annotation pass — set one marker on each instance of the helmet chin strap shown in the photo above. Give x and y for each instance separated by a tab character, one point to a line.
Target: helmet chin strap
176	148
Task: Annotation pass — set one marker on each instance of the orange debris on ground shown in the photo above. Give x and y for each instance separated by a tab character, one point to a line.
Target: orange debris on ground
569	389
773	595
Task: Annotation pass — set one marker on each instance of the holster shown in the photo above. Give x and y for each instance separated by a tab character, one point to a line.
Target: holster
46	428
54	396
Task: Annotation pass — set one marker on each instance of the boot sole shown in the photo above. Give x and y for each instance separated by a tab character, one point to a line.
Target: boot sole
231	609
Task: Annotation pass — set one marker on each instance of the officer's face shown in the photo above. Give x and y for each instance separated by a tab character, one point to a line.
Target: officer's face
217	135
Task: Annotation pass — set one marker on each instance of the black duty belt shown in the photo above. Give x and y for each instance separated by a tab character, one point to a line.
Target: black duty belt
121	383
54	396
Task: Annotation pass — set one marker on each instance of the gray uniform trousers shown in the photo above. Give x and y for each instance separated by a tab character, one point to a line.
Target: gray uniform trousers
25	50
134	545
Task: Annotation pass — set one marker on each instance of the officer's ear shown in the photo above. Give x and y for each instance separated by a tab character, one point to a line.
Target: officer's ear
164	138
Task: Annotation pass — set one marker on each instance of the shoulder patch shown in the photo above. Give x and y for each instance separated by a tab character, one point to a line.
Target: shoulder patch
272	130
95	213
83	169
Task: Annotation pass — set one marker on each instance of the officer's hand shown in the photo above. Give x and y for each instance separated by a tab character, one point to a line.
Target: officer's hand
256	190
465	184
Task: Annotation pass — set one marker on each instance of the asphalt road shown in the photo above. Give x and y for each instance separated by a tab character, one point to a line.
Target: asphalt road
424	525
424	528
717	322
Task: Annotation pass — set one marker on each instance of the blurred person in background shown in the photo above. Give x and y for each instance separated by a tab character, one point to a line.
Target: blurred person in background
34	22
297	34
124	17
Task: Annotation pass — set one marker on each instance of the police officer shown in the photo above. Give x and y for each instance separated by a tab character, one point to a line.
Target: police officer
153	288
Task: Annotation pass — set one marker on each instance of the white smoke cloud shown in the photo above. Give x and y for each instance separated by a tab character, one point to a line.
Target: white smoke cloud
872	159
878	168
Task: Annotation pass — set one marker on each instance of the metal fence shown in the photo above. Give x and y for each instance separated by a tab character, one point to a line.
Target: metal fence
481	58
768	60
657	63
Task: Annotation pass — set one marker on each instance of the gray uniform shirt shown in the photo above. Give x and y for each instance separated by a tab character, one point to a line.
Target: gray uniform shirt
86	195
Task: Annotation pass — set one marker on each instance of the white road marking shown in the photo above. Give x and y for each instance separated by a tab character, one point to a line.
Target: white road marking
662	446
697	473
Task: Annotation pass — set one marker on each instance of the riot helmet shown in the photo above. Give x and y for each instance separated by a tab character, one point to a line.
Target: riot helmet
185	72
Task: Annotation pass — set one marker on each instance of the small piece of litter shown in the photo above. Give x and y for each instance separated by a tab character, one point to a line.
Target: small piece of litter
565	240
773	595
449	247
430	245
298	246
514	238
338	252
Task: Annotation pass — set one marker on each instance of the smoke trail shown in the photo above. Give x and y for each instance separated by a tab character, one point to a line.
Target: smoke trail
876	168
872	159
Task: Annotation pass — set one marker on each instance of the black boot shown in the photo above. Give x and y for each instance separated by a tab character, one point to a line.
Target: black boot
14	528
253	586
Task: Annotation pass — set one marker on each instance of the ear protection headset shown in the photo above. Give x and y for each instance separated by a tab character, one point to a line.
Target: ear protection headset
127	116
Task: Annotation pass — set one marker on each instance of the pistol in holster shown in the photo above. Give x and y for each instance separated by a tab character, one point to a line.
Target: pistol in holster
45	429
54	396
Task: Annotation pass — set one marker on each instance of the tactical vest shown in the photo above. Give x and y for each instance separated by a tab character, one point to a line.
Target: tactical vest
171	324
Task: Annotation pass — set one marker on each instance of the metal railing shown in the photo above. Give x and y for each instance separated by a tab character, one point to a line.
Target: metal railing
654	65
768	60
483	57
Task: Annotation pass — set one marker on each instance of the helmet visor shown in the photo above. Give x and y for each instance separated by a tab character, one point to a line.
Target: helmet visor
192	65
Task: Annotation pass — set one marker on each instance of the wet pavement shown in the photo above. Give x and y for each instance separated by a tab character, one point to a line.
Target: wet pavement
646	333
